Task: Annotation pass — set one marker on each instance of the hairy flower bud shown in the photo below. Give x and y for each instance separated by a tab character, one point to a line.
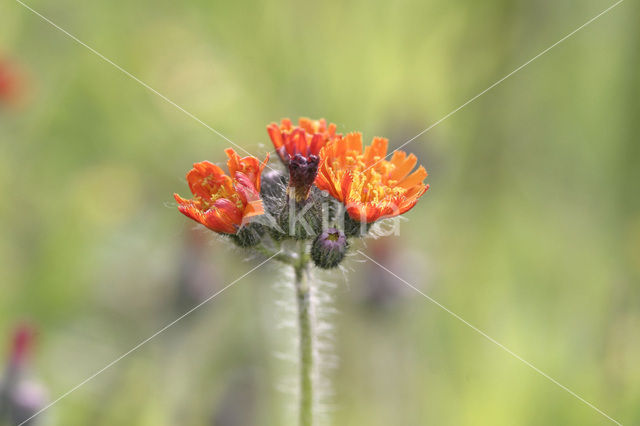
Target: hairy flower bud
329	248
353	228
273	184
302	220
249	235
302	173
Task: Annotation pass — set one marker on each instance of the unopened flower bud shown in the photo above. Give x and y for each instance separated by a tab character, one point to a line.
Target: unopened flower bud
302	220
329	248
302	173
273	184
353	228
249	235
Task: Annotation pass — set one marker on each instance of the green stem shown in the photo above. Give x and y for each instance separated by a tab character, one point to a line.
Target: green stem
303	297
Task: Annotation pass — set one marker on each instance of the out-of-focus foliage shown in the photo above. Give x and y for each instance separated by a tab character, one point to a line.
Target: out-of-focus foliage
530	231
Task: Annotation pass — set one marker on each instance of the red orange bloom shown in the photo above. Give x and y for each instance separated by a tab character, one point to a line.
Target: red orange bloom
224	203
370	186
305	139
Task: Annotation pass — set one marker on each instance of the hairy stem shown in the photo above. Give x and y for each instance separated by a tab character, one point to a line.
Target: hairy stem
303	297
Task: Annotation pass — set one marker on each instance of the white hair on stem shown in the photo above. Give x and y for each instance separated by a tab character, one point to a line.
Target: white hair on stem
322	313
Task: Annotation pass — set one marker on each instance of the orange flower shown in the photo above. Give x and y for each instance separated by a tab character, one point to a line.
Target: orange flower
220	202
369	186
305	139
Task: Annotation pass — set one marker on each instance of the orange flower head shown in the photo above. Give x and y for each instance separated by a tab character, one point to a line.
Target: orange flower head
370	186
224	203
307	138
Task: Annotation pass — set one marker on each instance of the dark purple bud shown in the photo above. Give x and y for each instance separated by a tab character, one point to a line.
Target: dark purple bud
302	173
329	248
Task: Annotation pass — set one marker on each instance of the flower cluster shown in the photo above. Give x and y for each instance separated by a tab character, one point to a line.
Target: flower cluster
333	188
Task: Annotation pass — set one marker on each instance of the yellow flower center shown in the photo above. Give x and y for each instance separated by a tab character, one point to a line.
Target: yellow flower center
224	190
370	184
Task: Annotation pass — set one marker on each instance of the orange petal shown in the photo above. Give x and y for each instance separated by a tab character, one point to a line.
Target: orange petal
244	187
363	212
234	162
229	209
415	178
403	165
316	143
275	135
376	151
253	208
189	209
256	181
286	124
206	178
250	166
353	143
217	220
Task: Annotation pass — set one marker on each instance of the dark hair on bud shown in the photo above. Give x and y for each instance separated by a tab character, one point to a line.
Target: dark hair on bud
329	248
248	236
353	228
273	185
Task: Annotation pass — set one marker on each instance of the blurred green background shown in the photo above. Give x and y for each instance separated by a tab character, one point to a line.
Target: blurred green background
530	231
